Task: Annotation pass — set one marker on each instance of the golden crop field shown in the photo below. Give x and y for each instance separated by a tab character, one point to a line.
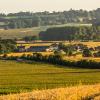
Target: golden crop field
78	58
34	44
89	44
28	53
85	92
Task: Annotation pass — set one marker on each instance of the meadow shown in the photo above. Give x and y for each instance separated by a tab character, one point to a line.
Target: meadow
18	33
16	77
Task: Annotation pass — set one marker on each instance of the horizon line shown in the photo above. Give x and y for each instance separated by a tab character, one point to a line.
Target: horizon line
48	11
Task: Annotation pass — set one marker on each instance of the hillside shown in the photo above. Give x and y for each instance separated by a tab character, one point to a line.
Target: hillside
86	92
34	31
30	19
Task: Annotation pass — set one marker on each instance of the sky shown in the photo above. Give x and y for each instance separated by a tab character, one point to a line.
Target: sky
13	6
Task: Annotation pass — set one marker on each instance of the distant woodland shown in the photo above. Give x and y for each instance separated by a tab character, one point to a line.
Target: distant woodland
82	33
30	19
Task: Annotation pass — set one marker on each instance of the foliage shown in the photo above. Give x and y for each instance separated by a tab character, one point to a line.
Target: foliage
58	59
87	53
30	38
7	46
71	33
29	19
97	54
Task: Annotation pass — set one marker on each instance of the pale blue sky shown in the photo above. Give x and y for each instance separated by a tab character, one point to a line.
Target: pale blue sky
7	6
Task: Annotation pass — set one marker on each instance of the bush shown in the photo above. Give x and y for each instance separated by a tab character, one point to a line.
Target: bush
87	53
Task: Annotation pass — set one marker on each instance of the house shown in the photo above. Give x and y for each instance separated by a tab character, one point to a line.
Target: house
53	47
37	48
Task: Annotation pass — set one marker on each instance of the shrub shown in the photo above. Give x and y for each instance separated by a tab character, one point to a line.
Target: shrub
87	53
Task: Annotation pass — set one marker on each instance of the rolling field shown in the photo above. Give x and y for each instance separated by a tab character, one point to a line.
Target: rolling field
19	33
18	77
81	92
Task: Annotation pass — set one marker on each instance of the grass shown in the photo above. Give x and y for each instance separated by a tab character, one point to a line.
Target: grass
81	92
17	77
18	33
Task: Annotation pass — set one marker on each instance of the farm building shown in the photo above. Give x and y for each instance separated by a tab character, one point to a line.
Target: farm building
37	48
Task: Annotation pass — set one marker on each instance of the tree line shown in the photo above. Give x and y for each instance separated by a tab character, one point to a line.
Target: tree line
71	33
30	19
54	59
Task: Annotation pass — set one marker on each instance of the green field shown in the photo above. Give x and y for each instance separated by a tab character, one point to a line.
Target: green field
18	77
18	33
